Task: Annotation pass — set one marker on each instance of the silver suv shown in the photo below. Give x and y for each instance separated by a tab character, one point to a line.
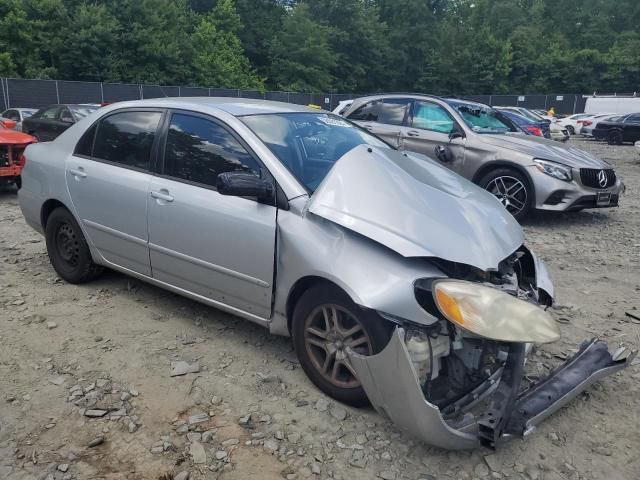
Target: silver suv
482	145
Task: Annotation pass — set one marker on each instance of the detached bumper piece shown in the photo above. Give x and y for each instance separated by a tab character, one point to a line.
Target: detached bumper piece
390	382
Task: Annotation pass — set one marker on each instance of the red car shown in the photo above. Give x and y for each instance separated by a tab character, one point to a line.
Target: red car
12	145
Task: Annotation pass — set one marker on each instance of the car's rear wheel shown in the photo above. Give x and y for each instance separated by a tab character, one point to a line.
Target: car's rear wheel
614	137
511	188
18	182
571	130
326	322
67	248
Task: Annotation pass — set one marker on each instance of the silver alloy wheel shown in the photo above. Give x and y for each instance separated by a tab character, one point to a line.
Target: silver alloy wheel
328	331
511	192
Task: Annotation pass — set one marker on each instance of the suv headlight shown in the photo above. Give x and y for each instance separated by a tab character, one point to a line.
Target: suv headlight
556	170
492	313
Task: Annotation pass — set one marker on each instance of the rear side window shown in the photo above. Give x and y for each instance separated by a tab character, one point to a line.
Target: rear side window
367	112
85	145
126	138
393	110
198	150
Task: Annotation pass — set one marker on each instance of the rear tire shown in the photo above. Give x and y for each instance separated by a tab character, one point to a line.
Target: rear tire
512	188
67	248
18	182
321	318
571	130
614	137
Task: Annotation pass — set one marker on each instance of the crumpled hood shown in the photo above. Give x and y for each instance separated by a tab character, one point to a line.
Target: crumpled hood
416	207
545	149
13	137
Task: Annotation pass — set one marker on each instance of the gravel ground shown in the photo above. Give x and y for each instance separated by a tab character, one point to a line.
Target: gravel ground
86	390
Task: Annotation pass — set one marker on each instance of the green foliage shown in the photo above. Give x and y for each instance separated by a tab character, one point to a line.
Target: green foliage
435	46
302	59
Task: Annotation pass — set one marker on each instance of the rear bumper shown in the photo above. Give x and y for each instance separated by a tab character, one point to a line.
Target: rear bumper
390	382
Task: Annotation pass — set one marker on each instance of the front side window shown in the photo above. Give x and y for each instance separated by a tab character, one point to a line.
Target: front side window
126	138
430	116
393	110
50	113
81	111
635	118
309	144
367	112
65	115
198	150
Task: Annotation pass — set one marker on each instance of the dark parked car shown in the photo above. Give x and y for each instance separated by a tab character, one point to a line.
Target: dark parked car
617	130
526	125
542	123
49	122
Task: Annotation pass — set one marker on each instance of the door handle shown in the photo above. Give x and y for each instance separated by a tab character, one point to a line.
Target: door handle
78	172
413	133
162	195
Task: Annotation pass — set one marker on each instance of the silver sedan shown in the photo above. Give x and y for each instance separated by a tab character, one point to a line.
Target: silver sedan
401	283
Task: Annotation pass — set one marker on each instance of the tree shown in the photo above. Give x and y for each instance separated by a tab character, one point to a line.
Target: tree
220	59
301	56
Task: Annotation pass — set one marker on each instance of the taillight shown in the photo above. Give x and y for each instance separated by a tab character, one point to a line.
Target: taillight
537	131
586	123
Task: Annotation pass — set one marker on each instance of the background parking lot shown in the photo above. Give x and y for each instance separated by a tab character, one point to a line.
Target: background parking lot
248	408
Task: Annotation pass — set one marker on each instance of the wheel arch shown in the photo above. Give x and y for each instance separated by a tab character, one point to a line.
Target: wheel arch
493	165
302	285
48	207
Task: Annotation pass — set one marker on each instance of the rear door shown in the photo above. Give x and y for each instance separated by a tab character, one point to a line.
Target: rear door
43	126
108	178
219	247
428	133
383	118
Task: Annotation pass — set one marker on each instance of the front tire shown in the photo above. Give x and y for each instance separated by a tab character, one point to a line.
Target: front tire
511	188
68	251
571	130
325	322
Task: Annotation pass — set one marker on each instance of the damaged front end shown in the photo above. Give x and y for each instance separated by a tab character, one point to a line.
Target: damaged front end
461	381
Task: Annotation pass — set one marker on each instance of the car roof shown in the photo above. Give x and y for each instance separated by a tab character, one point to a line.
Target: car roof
231	105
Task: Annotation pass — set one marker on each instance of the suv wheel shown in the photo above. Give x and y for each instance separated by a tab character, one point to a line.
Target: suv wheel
325	323
67	248
511	188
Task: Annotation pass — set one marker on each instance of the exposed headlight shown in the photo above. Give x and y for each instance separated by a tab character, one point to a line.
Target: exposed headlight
491	313
556	170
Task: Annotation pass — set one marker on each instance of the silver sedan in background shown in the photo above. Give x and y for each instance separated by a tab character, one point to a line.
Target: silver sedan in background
401	283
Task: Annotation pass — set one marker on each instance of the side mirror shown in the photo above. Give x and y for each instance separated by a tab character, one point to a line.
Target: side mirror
455	134
241	184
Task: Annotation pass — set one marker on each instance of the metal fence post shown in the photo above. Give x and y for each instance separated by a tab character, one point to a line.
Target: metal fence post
575	101
57	93
101	93
141	92
6	82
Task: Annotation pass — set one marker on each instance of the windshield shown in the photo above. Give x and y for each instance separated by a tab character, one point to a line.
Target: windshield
81	112
309	144
481	118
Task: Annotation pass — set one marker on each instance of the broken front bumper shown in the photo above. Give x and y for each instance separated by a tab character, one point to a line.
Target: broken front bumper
390	382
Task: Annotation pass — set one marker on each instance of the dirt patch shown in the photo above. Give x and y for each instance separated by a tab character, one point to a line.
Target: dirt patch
261	416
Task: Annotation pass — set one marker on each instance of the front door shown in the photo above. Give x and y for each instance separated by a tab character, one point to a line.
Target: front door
219	247
108	179
45	126
428	132
631	129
